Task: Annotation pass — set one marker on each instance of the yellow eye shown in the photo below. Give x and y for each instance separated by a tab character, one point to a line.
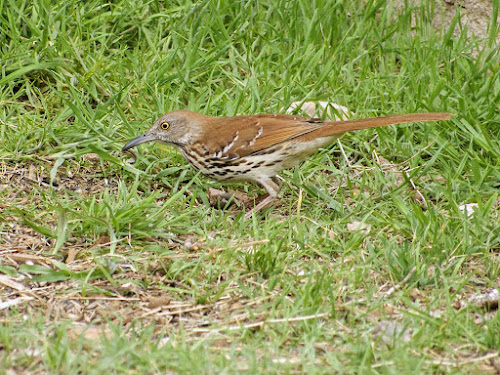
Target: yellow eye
165	125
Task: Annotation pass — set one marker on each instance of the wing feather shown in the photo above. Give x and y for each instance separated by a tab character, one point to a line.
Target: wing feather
253	133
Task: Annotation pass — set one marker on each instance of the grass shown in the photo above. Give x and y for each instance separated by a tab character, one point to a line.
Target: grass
124	268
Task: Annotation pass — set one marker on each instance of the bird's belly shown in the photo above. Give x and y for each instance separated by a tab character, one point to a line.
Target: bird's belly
248	168
265	163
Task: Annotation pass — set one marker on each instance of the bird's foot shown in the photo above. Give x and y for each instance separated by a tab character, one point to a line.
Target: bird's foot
262	203
223	200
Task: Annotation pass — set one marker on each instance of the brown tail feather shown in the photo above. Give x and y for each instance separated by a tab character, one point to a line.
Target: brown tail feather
340	127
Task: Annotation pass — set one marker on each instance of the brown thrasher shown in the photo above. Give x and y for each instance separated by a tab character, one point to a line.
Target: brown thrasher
258	147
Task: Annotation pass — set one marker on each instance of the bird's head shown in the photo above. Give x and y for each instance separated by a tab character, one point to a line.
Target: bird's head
177	128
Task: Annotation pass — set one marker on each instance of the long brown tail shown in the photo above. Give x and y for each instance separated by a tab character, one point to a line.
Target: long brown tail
340	127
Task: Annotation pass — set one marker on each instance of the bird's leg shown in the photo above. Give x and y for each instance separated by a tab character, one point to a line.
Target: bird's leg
272	185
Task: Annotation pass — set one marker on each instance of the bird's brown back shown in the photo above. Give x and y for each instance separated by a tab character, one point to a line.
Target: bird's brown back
239	136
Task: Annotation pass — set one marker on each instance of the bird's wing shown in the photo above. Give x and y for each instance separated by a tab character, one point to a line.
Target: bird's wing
236	137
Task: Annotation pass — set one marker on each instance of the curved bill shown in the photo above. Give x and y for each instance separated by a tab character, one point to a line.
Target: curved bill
137	141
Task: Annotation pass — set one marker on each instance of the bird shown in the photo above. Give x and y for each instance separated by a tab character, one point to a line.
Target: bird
256	147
